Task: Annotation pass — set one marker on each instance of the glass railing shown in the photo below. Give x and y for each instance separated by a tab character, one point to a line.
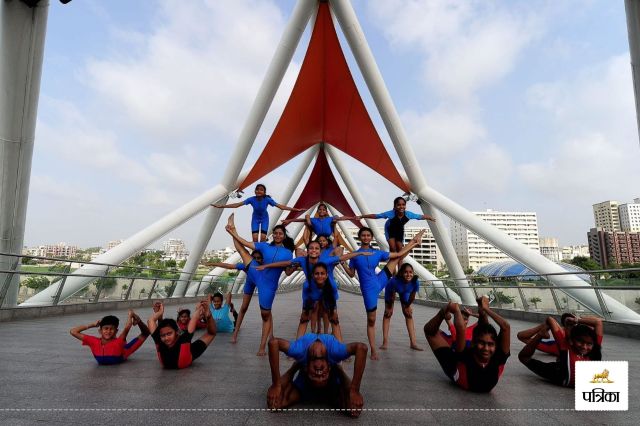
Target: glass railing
533	293
117	283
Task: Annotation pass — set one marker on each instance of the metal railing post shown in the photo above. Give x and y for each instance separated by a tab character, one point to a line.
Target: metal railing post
56	297
603	307
99	287
555	300
126	297
153	287
7	281
495	294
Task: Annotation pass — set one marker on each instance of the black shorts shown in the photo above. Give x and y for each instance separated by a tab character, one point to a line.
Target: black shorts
555	371
395	229
448	361
197	348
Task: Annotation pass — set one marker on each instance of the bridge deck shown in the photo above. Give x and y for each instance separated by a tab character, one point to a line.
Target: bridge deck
43	367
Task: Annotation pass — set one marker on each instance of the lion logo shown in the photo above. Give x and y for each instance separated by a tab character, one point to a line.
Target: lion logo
601	377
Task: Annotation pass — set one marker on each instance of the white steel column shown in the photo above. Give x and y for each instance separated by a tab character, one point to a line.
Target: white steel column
369	69
422	272
262	103
277	68
213	217
22	35
632	8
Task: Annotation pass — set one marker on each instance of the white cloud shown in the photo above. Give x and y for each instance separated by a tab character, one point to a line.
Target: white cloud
196	73
489	170
442	134
596	154
467	46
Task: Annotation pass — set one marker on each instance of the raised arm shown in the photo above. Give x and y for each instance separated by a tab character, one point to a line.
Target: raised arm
228	206
288	221
281	264
461	329
354	254
220	265
127	326
212	328
505	329
228	298
428	217
197	314
591	321
77	331
152	322
144	330
291	209
367	216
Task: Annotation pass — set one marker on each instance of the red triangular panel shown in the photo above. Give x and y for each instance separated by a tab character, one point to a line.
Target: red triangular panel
322	186
325	106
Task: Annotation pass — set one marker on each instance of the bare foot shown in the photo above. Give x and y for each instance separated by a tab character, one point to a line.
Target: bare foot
374	356
416	347
384	347
261	352
234	339
544	333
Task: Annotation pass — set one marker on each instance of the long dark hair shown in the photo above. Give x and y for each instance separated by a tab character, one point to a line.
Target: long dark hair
288	242
401	269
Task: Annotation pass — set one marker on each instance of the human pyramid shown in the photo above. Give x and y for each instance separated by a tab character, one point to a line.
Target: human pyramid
472	356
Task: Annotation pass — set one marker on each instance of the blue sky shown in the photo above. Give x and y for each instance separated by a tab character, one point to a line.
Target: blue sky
510	105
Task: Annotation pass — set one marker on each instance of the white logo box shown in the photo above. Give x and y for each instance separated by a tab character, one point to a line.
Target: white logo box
602	386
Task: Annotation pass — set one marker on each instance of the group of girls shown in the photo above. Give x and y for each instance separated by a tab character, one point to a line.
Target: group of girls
265	263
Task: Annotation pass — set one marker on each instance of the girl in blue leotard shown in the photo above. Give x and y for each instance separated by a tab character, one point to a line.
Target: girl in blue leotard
371	283
260	216
396	219
278	250
322	225
405	284
311	293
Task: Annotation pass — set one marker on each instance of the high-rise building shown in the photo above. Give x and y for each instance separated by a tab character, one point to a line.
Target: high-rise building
426	253
605	216
630	216
609	248
474	252
549	248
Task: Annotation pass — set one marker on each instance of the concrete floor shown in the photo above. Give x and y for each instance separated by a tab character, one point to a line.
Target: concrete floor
48	374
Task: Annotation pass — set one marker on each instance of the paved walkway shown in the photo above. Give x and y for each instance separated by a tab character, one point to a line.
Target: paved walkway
43	367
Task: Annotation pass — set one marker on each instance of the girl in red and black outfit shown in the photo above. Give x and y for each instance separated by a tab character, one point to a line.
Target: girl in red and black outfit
175	349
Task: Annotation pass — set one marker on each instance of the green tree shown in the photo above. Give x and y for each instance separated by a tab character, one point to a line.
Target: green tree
535	300
586	263
37	282
501	298
106	283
